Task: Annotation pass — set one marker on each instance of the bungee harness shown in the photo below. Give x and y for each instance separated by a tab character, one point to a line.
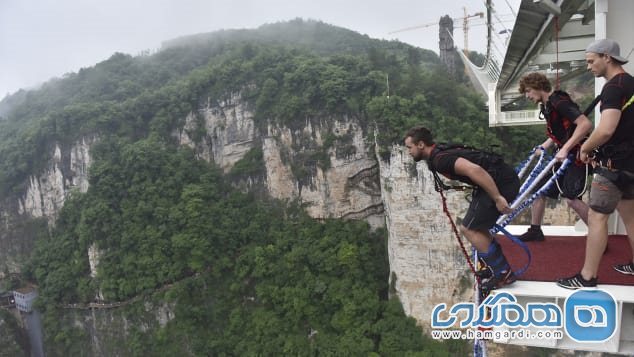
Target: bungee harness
610	159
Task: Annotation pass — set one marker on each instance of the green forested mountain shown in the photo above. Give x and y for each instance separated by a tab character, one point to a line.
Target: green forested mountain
244	275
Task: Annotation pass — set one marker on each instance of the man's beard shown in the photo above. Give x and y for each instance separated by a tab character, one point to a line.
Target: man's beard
418	157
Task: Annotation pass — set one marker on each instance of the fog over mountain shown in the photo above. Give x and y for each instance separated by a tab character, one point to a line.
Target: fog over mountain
44	38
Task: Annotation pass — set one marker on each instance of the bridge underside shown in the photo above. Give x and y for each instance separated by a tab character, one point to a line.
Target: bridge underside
553	45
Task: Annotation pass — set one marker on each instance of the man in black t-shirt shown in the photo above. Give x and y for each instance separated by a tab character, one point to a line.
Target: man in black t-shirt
612	142
566	127
495	184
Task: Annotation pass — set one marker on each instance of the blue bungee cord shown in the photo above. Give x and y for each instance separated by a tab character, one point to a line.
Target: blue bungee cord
479	346
537	169
521	168
519	205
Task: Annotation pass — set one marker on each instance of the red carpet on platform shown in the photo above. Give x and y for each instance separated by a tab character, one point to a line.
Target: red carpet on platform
561	256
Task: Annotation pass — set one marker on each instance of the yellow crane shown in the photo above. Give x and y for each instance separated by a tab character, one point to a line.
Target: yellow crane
465	26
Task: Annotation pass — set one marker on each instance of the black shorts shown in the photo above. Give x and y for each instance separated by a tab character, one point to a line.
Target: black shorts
572	183
482	213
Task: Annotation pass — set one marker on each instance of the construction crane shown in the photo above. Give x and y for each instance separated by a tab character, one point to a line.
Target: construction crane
465	26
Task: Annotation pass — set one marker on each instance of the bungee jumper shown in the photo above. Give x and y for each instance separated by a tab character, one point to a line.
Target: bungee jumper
566	128
495	183
610	148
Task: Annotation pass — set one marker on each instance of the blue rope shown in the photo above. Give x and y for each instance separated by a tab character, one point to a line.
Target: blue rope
504	221
539	167
519	169
479	347
523	245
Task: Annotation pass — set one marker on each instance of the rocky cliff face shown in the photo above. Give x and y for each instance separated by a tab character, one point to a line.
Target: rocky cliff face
426	264
43	198
67	171
226	128
347	187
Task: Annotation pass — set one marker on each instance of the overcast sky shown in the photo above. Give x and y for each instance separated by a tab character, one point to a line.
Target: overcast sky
41	39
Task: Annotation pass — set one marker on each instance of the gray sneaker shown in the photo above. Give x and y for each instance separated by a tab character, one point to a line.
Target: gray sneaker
577	282
625	268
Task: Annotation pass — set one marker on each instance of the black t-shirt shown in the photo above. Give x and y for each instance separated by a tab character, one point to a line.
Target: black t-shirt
561	113
444	161
615	93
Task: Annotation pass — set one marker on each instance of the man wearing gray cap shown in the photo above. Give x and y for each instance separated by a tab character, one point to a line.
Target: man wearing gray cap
610	148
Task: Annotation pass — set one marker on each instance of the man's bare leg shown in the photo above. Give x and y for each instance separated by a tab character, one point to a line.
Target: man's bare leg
537	211
581	208
479	239
595	243
626	211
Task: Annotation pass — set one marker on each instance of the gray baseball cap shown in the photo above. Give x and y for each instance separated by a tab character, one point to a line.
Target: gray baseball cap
607	46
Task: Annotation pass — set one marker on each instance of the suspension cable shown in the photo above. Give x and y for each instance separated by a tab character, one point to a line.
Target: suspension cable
557	82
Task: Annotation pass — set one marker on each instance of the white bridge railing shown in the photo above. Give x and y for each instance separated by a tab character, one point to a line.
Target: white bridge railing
518	117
